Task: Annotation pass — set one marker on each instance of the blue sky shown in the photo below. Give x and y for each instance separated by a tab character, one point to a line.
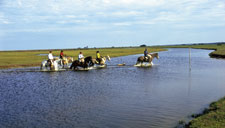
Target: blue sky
49	24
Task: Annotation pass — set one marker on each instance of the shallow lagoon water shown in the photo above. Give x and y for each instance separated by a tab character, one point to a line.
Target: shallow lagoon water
122	97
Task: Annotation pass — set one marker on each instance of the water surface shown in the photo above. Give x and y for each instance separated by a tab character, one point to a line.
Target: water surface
122	97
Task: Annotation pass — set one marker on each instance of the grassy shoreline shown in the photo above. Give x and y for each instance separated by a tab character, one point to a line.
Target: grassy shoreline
31	58
212	117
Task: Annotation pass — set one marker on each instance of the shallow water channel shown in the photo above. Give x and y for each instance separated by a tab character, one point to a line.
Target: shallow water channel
115	97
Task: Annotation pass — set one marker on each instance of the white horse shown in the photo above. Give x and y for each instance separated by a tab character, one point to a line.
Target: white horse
45	65
103	60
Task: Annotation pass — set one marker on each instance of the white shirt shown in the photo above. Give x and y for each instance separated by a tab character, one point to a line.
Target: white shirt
50	56
80	56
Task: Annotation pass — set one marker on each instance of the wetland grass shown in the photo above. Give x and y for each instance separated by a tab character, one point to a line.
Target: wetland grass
31	58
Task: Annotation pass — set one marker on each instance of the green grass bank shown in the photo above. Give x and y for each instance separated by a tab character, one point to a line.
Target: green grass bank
31	58
218	53
213	117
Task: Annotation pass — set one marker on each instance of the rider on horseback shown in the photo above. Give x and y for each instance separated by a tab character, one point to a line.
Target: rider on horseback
61	54
81	57
98	57
50	58
146	54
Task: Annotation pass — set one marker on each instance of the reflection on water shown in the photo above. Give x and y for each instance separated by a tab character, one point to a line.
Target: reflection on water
125	97
189	83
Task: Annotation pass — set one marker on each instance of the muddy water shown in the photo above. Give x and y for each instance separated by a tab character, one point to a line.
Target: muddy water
122	97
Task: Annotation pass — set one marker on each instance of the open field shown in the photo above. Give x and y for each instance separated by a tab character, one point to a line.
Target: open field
219	48
10	59
213	117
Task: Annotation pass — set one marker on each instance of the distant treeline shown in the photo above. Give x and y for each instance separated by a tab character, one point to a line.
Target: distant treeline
67	49
215	43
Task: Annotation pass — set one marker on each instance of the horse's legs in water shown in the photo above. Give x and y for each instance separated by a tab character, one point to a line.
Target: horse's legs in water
92	64
63	63
51	65
72	65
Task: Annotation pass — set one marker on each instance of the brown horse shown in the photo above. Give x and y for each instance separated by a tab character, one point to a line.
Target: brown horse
149	59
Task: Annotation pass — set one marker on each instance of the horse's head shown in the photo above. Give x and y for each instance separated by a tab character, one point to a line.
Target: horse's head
55	65
70	59
64	58
157	55
56	58
108	58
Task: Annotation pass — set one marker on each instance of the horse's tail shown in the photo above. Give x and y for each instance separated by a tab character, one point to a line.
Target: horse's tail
108	58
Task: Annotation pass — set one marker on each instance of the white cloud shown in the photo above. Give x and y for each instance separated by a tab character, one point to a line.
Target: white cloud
127	13
122	24
3	19
72	21
126	17
70	16
112	12
19	3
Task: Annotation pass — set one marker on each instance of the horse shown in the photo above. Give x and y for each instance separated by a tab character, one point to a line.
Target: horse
51	65
66	61
89	60
77	64
149	59
85	63
102	60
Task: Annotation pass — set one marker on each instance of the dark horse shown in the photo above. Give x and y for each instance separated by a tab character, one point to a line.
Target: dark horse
87	63
142	59
77	63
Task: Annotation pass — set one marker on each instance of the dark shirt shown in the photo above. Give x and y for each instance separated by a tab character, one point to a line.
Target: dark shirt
145	52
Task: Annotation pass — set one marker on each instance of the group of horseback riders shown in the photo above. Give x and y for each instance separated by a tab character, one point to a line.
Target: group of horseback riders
86	62
98	56
80	57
